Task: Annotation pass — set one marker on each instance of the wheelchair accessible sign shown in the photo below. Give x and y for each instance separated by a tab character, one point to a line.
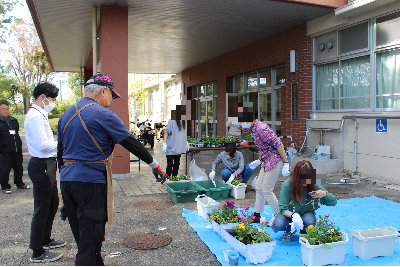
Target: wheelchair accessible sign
381	126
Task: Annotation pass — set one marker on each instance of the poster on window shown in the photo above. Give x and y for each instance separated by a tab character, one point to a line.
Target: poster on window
295	102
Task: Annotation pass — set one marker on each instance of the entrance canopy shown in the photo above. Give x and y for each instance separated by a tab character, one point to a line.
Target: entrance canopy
168	36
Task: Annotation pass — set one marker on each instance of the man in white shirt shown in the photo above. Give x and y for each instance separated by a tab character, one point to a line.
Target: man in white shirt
42	172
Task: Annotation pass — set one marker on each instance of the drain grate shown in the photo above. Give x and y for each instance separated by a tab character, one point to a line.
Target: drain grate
147	241
339	190
153	204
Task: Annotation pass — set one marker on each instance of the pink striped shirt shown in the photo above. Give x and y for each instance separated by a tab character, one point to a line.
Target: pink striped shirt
267	142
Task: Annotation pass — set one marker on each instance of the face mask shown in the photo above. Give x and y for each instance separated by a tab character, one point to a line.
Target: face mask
246	125
49	107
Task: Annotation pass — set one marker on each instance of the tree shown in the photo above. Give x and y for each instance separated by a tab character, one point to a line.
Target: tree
74	82
25	60
136	87
10	91
5	19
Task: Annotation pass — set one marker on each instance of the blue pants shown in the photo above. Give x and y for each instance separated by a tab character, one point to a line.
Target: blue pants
281	222
246	173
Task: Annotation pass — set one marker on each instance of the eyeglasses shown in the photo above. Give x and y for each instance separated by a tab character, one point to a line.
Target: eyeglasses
108	89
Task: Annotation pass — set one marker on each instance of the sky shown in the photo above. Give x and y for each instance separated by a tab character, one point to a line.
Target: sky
22	11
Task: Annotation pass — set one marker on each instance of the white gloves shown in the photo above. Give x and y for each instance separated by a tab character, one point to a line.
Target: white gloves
296	221
187	143
164	147
254	164
285	169
212	175
230	179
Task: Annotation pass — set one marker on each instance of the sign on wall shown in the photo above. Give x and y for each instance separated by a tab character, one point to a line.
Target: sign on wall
295	102
381	126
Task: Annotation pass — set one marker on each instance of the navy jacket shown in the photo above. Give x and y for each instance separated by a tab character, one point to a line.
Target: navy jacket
9	143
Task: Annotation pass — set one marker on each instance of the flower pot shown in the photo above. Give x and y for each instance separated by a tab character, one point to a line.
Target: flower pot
320	255
213	145
254	253
179	181
238	191
368	244
218	227
205	205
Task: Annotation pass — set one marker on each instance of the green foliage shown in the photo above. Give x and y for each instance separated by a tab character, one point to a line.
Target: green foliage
5	20
54	125
231	139
74	82
323	232
179	177
192	140
247	135
62	106
227	215
9	90
248	234
136	87
238	179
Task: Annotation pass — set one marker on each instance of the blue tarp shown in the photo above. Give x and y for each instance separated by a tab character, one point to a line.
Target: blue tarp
349	214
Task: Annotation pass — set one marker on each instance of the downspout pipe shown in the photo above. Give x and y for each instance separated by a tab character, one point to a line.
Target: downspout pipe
94	39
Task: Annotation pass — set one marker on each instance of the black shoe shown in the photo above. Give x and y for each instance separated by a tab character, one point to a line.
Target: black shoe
47	257
55	244
258	217
23	187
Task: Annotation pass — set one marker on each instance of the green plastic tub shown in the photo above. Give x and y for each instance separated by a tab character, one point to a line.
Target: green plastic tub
219	192
182	192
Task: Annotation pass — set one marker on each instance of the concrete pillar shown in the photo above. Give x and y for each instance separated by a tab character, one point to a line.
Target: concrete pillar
114	63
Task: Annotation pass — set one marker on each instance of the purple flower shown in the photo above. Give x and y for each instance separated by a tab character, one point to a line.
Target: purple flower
330	222
253	217
247	207
243	216
326	215
243	221
238	216
241	211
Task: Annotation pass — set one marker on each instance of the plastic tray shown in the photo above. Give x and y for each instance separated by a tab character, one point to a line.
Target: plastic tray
219	192
182	192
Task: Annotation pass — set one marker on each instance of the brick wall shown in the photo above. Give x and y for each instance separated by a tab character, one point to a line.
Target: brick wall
266	53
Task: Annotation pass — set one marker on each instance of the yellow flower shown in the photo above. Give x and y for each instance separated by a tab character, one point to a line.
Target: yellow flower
241	226
310	226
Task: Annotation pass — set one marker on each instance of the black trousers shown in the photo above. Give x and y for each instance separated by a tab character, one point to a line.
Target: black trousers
8	161
86	207
173	162
42	173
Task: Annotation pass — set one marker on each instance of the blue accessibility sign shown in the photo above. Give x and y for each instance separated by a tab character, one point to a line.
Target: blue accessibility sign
381	126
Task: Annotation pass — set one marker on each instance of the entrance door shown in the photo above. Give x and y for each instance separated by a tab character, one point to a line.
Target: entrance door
269	109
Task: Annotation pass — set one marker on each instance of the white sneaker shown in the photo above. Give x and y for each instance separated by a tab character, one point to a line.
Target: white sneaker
7	191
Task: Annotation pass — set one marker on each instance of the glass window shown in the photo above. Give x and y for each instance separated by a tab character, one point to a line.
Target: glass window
388	79
387	29
252	81
209	110
194	92
280	76
203	110
202	90
209	89
353	38
265	79
265	107
238	84
327	86
355	82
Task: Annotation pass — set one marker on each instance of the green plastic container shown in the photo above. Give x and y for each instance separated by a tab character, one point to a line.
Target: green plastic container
182	192
219	192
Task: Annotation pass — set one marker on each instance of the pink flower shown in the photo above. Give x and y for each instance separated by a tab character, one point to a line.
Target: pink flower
238	216
241	211
253	217
330	222
326	215
244	222
247	207
262	220
243	216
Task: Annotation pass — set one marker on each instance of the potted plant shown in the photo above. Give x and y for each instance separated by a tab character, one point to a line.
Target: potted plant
225	218
247	136
228	140
219	141
238	190
213	141
323	244
179	178
205	141
251	242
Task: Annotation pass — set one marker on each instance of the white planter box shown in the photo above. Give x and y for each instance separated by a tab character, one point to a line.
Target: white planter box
320	255
205	205
238	191
368	244
218	227
254	253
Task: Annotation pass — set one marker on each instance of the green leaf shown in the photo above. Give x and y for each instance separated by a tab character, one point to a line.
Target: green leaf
325	245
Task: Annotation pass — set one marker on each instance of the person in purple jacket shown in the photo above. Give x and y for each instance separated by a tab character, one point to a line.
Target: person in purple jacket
273	160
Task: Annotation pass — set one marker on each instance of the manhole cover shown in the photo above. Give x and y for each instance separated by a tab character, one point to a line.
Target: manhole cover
339	190
147	241
153	204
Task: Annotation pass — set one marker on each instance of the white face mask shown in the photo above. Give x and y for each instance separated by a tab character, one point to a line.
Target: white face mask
49	107
246	125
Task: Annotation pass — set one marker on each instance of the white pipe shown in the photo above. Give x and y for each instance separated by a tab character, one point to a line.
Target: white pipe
355	148
94	38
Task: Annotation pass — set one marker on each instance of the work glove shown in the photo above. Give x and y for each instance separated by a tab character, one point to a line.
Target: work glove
296	221
254	164
212	175
187	143
285	169
160	175
164	147
229	182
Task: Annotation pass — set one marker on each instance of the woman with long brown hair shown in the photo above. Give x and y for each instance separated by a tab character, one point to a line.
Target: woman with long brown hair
300	196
